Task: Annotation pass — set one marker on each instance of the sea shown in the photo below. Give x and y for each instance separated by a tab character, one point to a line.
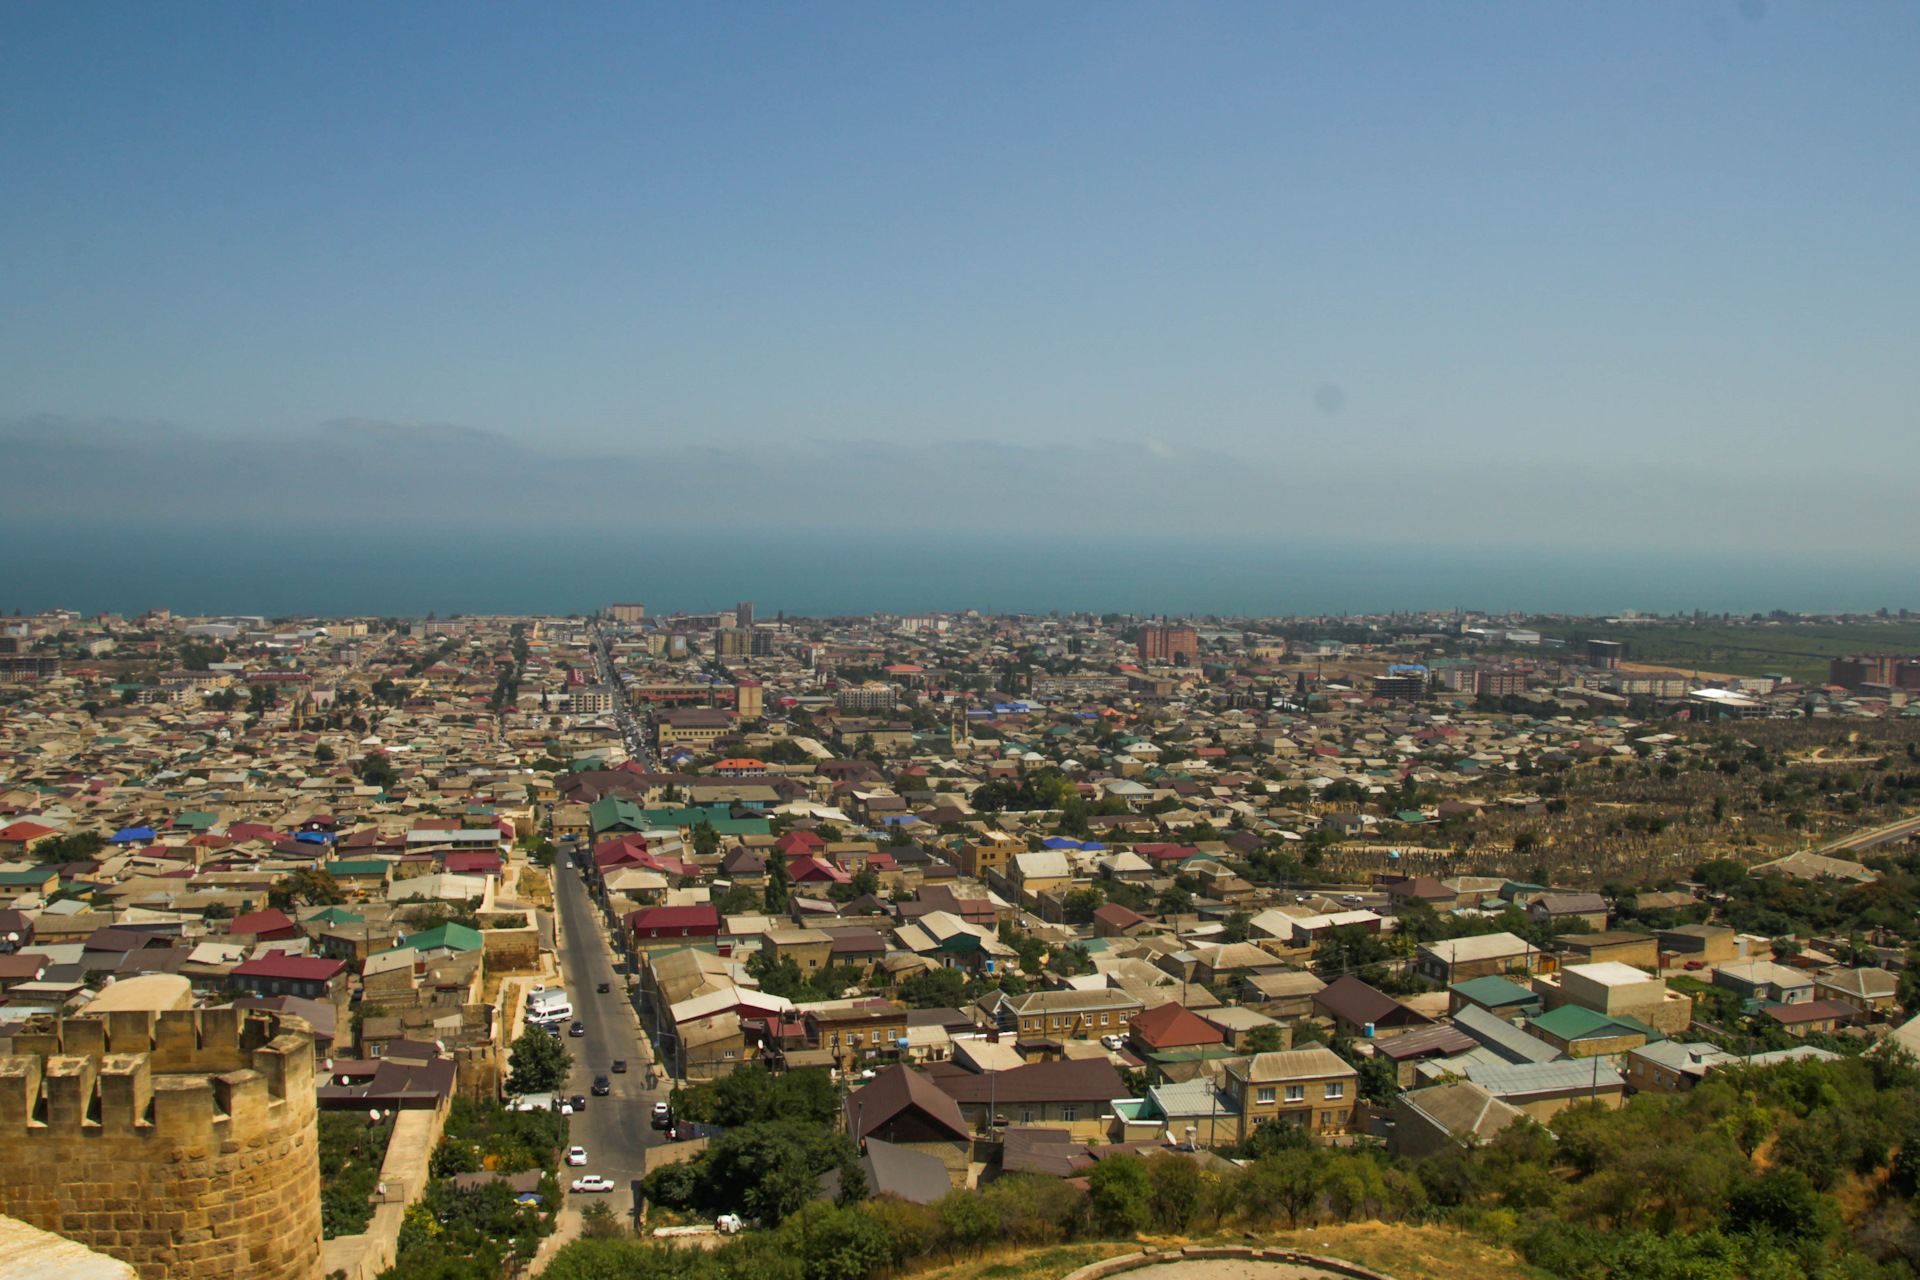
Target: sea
311	565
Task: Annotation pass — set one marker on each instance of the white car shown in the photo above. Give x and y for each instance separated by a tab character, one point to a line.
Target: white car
1113	1042
661	1111
576	1155
593	1182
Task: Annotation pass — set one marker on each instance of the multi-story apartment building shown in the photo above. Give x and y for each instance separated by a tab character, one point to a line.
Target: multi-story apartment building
1314	1088
694	728
855	1030
872	696
991	852
1165	643
591	700
1064	1015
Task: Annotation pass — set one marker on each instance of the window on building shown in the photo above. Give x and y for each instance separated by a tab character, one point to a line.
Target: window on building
1026	1115
1264	1096
1103	1019
728	1054
1068	1113
1296	1093
1336	1089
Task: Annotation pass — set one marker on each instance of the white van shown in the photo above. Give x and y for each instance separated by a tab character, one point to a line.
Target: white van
544	1007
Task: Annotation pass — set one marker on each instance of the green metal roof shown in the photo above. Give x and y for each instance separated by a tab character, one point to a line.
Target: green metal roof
457	937
611	813
1495	992
356	867
1571	1022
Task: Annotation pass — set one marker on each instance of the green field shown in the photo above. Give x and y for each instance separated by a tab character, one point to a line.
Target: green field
1796	649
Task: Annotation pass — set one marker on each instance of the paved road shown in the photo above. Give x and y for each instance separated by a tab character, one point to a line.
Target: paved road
614	1129
1877	836
630	729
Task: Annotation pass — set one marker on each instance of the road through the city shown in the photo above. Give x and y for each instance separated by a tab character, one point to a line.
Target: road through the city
614	1129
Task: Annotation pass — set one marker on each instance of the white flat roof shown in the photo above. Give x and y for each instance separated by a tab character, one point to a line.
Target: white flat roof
1611	973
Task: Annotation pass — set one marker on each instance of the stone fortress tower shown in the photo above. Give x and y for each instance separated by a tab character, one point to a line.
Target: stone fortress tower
182	1141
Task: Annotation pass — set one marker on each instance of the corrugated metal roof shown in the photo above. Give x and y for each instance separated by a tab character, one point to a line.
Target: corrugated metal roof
1514	1079
1503	1037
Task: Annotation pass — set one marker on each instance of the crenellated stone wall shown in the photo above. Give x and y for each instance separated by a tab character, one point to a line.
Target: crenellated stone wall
183	1142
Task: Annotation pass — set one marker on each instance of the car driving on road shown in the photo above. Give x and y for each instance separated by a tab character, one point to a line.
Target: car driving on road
593	1182
576	1155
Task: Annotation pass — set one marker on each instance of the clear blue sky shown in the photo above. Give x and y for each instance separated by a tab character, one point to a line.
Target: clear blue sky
1630	234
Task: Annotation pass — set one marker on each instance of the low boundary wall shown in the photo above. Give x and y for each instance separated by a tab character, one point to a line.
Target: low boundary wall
1201	1253
405	1174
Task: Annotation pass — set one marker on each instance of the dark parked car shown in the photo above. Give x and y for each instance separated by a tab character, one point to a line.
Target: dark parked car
605	987
579	1102
577	1029
620	1066
602	1086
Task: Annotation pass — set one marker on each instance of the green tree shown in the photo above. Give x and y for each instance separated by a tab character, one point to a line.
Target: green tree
1264	1040
76	846
308	885
840	1243
1287	1182
1352	949
1721	874
1080	904
774	897
376	770
966	1220
935	989
1350	1182
1780	1201
1175	1191
1120	1192
538	1062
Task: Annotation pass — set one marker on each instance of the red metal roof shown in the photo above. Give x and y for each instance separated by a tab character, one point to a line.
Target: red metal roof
272	920
705	917
1172	1026
297	968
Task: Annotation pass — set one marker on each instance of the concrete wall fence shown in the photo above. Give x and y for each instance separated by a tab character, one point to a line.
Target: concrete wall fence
1201	1253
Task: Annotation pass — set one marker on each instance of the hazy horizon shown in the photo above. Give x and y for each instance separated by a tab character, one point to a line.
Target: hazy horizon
1638	278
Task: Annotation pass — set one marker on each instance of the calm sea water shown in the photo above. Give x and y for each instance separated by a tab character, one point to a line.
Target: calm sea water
169	561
